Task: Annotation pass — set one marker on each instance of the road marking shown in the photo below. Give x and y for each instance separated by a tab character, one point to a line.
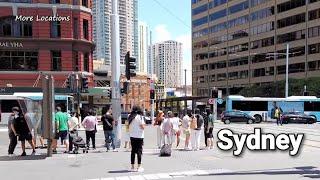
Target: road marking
181	174
4	130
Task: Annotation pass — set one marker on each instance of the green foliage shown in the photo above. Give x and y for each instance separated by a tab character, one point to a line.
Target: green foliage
277	89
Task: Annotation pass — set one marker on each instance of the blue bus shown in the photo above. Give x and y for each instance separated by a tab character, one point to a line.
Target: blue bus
261	107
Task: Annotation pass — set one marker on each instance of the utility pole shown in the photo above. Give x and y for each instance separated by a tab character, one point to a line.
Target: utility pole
287	71
151	75
115	84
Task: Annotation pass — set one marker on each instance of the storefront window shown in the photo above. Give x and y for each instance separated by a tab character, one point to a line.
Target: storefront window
18	60
56	60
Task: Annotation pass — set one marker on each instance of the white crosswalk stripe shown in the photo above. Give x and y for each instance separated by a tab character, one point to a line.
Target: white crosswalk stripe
172	175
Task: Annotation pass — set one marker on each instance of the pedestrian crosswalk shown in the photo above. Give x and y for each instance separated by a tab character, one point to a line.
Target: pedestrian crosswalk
172	175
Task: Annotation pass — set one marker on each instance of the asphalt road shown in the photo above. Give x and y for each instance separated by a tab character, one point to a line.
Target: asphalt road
203	164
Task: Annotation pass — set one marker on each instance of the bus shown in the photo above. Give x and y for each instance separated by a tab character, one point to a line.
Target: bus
66	102
261	107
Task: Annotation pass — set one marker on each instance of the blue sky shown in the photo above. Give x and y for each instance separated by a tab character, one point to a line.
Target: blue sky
166	26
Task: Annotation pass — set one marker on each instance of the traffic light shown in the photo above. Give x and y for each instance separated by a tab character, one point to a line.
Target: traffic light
68	83
130	66
85	84
214	93
152	94
125	88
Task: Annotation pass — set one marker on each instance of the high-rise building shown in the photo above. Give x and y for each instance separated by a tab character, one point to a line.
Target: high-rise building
167	58
44	36
242	43
128	25
143	47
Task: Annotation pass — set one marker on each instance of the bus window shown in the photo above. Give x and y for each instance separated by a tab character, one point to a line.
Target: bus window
250	105
311	106
7	105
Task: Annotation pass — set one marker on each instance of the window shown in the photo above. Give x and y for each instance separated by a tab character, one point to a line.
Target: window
199	22
56	60
315	14
233	75
215	3
238	21
55	29
311	106
259	72
18	60
85	3
75	58
257	2
26	29
75	28
55	1
250	105
238	61
293	36
221	77
200	9
262	43
263	13
286	6
314	48
294	52
218	15
85	29
292	20
86	62
295	68
262	28
238	7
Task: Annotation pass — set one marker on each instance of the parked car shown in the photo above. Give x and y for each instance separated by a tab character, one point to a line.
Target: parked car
297	117
236	116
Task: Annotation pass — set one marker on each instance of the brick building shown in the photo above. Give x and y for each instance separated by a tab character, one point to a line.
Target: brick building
50	36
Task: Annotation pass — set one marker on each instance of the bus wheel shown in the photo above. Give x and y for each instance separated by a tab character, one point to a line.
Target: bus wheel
227	121
258	118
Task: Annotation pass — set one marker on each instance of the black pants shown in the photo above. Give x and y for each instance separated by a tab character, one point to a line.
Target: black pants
205	136
279	121
136	144
91	135
13	143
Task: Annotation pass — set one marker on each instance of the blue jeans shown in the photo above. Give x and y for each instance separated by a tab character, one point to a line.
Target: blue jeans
109	138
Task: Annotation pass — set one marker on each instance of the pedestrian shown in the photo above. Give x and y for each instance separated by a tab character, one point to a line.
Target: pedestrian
90	125
158	122
186	128
209	131
176	123
136	130
108	126
167	129
196	130
74	125
61	121
277	115
12	136
205	125
20	128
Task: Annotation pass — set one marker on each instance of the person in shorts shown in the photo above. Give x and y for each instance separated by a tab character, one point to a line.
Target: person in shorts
186	128
21	129
61	120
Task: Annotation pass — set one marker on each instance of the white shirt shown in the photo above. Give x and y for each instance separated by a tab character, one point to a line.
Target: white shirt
135	129
186	122
175	123
73	121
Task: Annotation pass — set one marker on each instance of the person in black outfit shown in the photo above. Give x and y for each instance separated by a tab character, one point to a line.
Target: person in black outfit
108	124
12	136
205	125
20	128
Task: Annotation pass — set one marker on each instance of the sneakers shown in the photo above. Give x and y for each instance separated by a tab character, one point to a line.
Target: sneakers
140	169
115	150
11	155
54	152
24	154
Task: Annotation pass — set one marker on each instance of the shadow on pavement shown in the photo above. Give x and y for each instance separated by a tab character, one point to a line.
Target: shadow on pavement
305	171
120	171
23	158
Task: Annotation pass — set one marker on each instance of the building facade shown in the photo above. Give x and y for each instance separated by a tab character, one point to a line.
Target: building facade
38	36
142	59
128	25
167	58
241	43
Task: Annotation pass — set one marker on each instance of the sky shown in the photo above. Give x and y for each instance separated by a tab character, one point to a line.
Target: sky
169	20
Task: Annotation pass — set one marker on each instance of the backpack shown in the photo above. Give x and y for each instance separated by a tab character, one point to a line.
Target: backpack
167	125
193	124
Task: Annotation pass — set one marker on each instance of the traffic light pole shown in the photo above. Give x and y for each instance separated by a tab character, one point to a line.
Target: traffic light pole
115	73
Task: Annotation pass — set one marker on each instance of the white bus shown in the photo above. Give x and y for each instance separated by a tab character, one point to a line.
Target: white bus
261	107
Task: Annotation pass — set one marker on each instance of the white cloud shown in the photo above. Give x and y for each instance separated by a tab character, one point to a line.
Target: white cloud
161	33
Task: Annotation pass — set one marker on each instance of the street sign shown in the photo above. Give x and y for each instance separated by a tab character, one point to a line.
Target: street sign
211	101
219	101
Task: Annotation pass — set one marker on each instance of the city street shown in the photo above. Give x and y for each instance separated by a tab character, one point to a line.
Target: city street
204	164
